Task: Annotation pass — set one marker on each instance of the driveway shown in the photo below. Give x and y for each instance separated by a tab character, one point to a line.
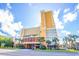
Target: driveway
30	52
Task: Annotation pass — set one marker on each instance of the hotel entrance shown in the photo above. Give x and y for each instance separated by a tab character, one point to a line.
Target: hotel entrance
28	46
31	46
31	42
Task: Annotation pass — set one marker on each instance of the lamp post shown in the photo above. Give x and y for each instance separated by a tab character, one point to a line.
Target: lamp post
14	42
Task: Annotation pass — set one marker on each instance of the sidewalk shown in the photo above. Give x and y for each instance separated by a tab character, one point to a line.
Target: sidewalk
6	50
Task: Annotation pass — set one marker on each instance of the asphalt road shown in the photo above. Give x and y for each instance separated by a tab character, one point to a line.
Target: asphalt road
30	52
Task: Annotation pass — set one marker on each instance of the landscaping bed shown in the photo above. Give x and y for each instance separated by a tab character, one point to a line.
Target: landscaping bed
53	50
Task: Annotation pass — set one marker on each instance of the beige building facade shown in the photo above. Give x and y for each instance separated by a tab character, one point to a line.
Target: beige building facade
47	30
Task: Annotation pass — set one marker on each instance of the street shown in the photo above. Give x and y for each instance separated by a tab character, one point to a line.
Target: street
30	52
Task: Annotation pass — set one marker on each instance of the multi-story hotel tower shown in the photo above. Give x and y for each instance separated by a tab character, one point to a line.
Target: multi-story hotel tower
47	30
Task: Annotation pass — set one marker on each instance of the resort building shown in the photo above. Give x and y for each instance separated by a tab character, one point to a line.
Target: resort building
30	37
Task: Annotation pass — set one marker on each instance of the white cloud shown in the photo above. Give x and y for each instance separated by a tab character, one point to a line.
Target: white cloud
30	4
59	24
7	23
77	7
2	34
78	31
65	32
6	15
70	17
9	6
17	26
66	10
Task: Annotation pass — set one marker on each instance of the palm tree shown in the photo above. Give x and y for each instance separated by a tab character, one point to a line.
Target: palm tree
48	42
66	42
70	41
41	39
55	40
74	37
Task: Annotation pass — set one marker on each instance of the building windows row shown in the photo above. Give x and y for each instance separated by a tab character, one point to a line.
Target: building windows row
30	39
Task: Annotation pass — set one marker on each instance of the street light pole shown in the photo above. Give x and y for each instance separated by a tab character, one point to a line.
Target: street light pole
14	42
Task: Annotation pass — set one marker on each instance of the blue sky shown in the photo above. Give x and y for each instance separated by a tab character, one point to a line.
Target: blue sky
28	15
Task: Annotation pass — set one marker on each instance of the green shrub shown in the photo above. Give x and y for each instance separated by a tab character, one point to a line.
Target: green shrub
20	46
7	41
42	47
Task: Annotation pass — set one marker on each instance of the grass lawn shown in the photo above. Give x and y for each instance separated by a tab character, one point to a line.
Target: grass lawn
8	48
53	50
